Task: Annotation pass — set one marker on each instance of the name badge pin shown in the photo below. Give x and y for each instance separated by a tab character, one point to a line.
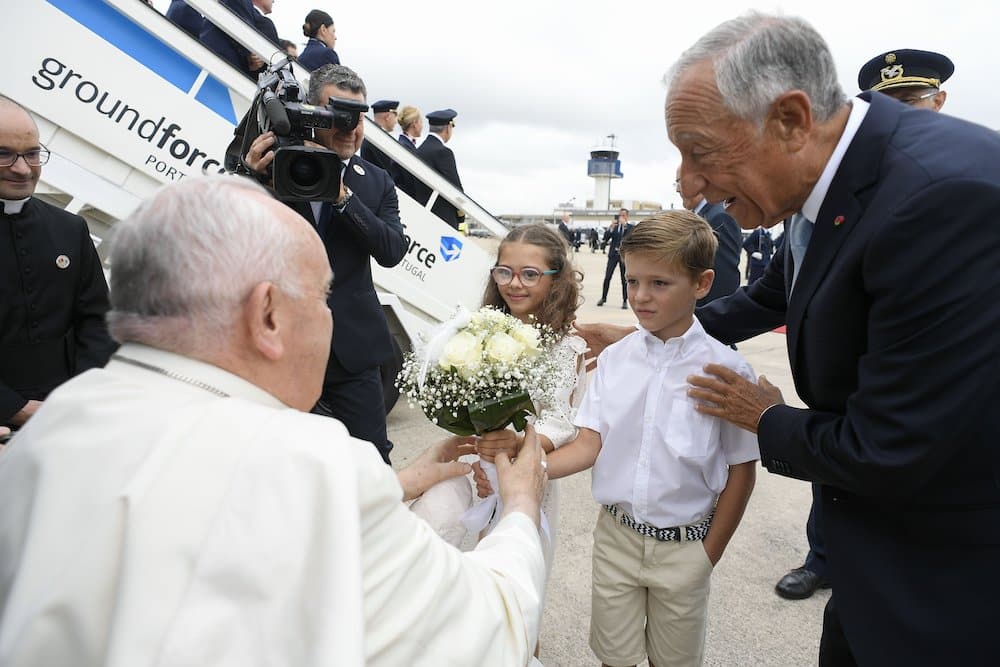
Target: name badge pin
62	261
359	170
838	221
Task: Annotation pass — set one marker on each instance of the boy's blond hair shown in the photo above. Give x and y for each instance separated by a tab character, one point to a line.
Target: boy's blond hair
678	237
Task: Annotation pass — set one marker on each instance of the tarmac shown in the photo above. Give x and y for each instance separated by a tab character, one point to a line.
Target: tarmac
748	623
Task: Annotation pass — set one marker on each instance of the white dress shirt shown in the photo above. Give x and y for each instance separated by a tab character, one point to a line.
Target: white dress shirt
661	460
147	521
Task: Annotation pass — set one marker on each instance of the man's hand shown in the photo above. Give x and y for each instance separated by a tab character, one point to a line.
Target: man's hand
598	337
492	443
728	395
438	463
522	483
260	155
4	431
25	413
254	62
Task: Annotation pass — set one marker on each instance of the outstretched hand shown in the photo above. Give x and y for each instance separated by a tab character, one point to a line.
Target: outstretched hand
438	463
522	483
598	336
728	395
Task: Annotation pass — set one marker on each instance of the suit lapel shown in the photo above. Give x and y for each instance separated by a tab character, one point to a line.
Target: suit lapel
840	212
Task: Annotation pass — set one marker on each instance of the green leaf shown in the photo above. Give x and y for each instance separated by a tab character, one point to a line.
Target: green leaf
496	413
460	425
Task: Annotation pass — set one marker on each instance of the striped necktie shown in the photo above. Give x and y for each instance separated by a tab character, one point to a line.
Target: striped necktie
798	240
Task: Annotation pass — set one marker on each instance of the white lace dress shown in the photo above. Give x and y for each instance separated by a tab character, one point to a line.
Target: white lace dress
555	420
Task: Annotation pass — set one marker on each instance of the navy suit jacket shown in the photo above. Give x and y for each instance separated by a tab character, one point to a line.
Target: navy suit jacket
441	159
727	255
368	228
185	17
316	54
892	333
224	46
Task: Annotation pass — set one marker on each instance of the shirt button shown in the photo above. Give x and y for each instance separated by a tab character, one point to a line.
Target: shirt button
27	269
34	325
24	252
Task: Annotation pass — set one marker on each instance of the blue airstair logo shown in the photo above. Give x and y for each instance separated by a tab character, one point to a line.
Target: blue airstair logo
451	248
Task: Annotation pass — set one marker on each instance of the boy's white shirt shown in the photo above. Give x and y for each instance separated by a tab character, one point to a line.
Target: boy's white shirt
661	460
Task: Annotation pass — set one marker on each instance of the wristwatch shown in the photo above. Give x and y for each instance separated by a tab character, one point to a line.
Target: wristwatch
341	203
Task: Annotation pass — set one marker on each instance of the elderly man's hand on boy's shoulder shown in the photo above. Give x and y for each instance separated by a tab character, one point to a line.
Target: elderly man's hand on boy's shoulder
728	395
598	337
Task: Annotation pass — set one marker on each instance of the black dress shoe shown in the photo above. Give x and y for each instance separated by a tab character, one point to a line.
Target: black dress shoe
800	584
601	302
625	304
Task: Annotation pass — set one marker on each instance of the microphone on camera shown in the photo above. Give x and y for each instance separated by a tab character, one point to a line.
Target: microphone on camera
274	108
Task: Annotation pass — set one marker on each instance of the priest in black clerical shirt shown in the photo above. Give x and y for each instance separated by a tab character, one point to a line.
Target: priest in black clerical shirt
53	295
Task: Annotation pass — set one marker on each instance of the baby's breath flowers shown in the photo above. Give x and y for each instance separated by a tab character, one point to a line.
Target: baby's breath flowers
480	371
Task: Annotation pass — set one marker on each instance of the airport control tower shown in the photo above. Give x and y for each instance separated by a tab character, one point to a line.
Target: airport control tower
602	166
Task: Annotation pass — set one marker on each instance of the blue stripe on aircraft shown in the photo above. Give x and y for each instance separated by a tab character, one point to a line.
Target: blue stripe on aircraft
115	28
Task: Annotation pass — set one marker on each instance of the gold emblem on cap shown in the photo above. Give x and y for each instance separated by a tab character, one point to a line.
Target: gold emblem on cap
891	72
62	261
890	58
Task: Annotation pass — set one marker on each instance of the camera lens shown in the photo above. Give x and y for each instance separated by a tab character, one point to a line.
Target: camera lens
305	171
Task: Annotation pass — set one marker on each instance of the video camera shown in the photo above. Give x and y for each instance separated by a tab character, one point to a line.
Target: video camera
298	172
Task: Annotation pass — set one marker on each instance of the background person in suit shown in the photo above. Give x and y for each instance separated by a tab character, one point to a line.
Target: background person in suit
564	229
361	225
893	363
759	247
385	113
412	125
727	254
185	17
618	230
441	159
322	34
218	42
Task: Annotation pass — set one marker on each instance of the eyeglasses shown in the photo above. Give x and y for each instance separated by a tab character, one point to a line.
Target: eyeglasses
35	157
529	276
913	100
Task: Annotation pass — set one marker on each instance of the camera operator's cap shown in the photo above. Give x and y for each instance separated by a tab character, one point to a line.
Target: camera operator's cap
442	117
905	68
385	105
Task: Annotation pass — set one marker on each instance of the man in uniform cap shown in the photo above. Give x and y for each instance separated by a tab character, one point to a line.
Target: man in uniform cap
441	159
912	76
385	117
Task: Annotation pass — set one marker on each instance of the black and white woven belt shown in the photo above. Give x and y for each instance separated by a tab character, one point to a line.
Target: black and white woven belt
696	531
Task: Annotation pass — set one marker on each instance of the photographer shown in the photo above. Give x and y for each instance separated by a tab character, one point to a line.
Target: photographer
360	223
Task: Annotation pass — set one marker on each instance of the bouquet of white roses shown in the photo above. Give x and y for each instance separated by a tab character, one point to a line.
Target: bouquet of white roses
479	371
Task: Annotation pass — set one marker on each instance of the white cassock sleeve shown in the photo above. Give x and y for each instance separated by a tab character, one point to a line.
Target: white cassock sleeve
427	603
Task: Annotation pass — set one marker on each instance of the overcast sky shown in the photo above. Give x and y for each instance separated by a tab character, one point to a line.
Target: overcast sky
537	83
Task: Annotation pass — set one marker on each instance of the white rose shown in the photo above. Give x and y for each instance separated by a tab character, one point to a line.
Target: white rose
503	348
527	335
464	352
495	316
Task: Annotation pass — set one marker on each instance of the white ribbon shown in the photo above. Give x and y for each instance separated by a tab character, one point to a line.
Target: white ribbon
432	350
486	514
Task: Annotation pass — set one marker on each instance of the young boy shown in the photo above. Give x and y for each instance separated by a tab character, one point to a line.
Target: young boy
673	482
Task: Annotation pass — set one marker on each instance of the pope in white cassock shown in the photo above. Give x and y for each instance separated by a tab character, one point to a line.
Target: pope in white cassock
180	507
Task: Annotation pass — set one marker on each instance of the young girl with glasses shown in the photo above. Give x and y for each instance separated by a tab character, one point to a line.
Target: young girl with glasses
534	280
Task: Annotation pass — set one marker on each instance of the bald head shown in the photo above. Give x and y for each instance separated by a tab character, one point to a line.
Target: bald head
215	269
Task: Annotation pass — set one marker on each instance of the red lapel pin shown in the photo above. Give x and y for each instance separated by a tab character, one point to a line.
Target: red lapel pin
838	221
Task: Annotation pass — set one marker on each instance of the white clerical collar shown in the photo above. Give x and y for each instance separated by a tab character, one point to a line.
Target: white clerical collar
811	208
14	206
700	207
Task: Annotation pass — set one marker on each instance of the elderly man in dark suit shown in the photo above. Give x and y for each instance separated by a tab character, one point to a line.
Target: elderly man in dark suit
894	363
441	159
361	225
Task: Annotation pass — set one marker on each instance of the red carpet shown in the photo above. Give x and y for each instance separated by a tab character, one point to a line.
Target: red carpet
780	329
